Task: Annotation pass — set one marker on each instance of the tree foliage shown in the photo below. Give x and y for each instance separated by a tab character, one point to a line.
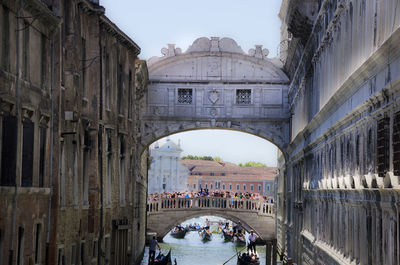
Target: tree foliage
208	158
252	164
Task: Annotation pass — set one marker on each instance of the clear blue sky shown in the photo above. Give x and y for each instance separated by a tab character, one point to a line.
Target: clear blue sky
152	24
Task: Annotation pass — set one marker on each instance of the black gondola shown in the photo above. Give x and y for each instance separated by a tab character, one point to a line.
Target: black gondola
246	259
239	240
227	236
178	233
163	260
205	235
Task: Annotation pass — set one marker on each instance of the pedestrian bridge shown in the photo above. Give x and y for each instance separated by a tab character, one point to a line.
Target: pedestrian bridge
257	215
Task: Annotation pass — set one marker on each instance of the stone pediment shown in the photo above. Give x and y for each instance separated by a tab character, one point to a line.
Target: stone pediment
215	59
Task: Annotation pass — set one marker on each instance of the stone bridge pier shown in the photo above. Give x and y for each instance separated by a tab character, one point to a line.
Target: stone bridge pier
255	215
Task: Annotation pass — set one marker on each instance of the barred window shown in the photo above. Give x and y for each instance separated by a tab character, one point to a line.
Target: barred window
243	96
185	95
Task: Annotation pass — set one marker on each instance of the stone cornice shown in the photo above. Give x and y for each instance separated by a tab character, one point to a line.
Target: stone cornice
113	29
41	12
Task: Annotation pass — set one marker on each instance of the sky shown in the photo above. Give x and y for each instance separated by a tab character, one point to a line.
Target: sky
153	24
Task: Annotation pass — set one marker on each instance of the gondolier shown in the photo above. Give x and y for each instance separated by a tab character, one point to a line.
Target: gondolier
252	242
152	249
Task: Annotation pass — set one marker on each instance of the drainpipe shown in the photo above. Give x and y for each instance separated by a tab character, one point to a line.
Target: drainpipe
100	253
17	91
51	150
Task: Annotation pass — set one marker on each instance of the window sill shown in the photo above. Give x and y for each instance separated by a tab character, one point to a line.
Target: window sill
85	101
108	110
85	206
24	190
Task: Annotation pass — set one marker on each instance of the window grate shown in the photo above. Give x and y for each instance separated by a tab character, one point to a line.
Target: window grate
243	96
185	96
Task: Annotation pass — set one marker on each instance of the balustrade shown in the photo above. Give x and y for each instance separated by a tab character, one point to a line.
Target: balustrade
171	204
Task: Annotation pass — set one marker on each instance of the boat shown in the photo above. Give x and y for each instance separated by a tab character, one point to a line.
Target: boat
228	235
205	235
162	259
239	240
246	259
178	232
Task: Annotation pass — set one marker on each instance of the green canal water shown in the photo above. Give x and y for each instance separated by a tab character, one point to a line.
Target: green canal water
191	250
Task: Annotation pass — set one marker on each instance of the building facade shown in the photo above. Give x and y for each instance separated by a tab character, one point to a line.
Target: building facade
72	184
226	176
166	174
338	198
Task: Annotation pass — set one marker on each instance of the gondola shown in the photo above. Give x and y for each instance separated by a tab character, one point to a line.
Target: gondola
228	236
205	235
178	233
163	260
239	240
246	259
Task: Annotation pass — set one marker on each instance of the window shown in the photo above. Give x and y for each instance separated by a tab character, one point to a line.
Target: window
237	187
27	153
222	174
243	96
62	175
85	178
251	187
74	170
185	95
107	249
223	186
73	260
83	66
119	88
200	186
94	249
130	100
43	60
60	255
206	186
38	240
1	244
109	169
122	169
83	253
9	151
5	53
259	187
396	144
383	146
107	85
211	173
194	186
268	187
230	186
25	51
20	246
42	153
244	186
211	186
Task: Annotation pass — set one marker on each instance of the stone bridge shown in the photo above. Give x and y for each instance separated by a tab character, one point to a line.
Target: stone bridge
216	85
256	215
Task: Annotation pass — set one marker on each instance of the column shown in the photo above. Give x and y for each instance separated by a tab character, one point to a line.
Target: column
268	253
274	252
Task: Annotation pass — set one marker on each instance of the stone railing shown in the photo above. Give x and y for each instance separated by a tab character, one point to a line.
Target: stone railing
206	203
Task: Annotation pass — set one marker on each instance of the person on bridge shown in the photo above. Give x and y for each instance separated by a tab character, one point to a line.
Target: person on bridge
152	249
252	242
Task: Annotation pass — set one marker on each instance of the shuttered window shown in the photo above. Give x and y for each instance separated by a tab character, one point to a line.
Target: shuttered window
9	151
27	154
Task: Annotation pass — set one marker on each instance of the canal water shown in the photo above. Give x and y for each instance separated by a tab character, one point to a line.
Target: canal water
191	250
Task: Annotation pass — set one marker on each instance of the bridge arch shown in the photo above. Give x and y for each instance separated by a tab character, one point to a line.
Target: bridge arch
254	215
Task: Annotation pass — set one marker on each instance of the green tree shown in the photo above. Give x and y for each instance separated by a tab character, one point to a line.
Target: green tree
252	164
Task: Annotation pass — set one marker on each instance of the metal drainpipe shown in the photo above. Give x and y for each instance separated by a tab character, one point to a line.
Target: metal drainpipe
100	253
17	88
51	149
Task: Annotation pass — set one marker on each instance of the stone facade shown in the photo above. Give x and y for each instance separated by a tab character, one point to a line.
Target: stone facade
214	84
74	188
338	198
166	173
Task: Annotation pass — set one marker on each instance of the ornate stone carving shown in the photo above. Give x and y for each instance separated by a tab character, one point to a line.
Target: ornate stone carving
213	96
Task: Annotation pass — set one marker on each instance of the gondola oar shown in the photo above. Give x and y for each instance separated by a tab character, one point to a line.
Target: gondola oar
234	255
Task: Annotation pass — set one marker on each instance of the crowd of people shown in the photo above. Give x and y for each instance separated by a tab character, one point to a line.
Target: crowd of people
207	193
